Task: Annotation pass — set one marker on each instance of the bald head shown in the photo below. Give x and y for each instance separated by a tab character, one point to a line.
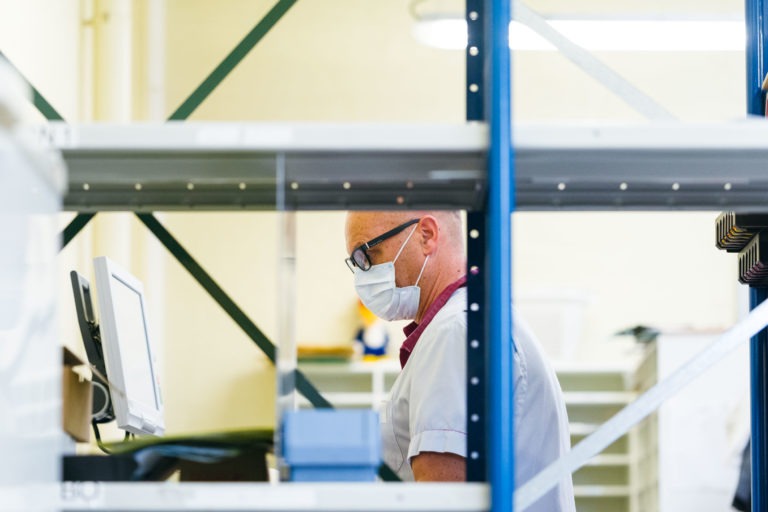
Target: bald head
363	226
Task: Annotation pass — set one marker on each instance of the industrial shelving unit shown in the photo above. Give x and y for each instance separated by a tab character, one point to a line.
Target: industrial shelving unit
258	165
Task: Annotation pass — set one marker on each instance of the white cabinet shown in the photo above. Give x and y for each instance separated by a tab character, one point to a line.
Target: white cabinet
689	450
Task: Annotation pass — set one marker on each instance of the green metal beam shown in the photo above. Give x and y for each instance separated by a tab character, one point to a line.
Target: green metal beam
74	227
38	99
232	60
227	304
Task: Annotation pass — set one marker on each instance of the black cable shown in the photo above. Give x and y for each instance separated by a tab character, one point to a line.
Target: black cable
98	438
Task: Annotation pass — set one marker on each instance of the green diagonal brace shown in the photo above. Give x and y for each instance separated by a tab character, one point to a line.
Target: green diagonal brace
303	385
226	303
232	60
74	227
38	99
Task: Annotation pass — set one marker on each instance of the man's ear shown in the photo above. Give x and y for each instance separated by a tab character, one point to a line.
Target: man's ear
429	234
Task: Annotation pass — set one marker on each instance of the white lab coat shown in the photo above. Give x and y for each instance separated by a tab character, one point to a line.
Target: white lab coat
427	406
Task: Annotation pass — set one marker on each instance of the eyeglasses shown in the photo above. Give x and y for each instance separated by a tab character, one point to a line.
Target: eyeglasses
360	259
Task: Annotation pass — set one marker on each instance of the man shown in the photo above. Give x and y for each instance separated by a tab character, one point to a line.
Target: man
412	266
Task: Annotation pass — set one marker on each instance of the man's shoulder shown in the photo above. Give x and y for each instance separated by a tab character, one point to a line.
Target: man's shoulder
452	317
454	309
449	325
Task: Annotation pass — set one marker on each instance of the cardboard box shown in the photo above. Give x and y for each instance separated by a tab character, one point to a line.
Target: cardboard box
76	400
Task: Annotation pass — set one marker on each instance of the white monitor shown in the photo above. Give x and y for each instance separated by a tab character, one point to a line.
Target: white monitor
128	350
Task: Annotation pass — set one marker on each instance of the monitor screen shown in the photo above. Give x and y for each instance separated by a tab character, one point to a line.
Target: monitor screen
134	343
128	349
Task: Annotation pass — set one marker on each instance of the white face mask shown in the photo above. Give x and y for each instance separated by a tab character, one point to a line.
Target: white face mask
376	288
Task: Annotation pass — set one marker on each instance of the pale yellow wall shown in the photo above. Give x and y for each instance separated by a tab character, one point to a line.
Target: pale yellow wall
355	60
42	39
628	268
343	60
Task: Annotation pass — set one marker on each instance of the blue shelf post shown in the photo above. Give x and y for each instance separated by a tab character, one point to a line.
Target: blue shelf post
498	266
757	64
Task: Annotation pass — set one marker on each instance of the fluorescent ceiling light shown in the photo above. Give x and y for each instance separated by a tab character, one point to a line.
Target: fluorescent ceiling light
601	35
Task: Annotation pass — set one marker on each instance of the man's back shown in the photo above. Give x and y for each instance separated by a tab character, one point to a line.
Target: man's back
541	421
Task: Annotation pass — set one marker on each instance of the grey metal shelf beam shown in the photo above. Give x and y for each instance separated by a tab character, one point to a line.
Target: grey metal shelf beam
232	166
174	166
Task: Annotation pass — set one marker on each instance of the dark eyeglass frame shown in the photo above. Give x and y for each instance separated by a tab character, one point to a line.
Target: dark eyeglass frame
360	259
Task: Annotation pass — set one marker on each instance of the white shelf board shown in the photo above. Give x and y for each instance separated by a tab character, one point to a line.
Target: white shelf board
573	368
650	166
283	497
610	460
386	366
360	399
242	165
599	398
582	429
601	491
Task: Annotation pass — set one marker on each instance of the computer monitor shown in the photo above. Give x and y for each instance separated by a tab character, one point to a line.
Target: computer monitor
129	350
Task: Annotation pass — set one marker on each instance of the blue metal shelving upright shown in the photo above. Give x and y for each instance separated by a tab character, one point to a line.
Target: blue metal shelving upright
489	363
757	64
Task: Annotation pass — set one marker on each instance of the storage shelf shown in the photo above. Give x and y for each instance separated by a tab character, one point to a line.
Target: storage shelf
599	398
652	166
225	166
263	496
582	429
600	491
389	366
610	460
351	399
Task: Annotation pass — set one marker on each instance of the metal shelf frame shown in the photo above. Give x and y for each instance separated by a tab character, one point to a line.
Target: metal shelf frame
681	168
756	15
149	167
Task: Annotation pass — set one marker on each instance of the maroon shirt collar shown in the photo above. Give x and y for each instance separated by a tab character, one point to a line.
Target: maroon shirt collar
413	330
